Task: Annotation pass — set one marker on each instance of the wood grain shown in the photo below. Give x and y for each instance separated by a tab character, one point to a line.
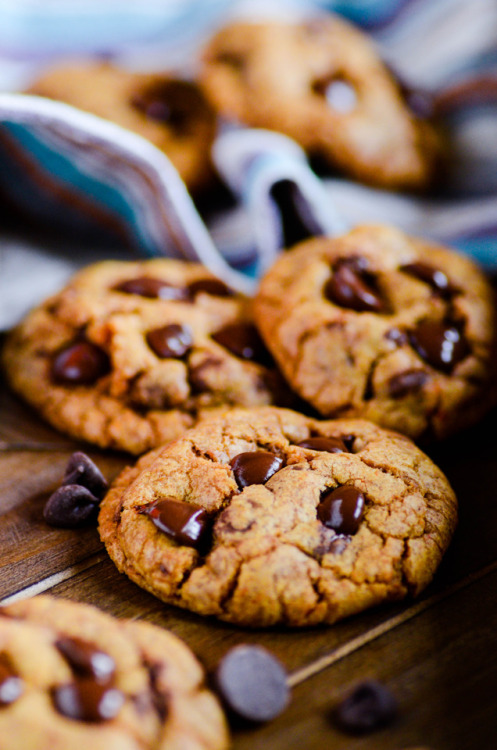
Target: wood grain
438	653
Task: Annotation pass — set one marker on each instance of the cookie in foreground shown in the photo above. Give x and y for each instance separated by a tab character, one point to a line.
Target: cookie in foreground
128	355
323	83
384	326
74	677
265	516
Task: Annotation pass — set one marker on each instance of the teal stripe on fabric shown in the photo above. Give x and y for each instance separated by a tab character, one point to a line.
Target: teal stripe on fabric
105	195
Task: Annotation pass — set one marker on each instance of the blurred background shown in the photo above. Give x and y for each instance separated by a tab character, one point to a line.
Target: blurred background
446	48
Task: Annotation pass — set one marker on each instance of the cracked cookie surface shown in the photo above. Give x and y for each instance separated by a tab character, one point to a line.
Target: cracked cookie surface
169	112
74	677
323	84
128	355
265	516
383	326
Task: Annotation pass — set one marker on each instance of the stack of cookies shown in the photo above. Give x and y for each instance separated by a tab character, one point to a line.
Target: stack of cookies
279	481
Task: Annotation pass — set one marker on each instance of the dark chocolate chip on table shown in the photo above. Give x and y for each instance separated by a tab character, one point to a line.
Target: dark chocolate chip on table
369	706
328	444
186	523
351	286
255	467
252	683
85	659
79	363
70	507
11	685
171	341
83	471
86	699
440	344
153	288
341	509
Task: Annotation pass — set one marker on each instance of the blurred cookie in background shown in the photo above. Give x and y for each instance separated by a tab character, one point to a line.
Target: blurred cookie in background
170	112
324	84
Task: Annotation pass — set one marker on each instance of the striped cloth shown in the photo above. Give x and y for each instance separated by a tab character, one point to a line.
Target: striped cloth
76	169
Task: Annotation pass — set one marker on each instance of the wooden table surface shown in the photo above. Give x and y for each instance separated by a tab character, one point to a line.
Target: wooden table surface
438	654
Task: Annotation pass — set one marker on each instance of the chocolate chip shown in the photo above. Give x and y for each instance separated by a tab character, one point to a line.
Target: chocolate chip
81	470
87	700
341	509
440	344
369	706
186	523
328	444
235	60
148	286
433	276
177	104
352	287
214	287
407	382
79	363
171	341
70	507
340	94
252	683
87	660
242	340
11	685
255	467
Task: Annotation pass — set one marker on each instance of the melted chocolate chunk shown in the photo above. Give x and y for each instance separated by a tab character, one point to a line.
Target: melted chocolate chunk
86	660
171	341
242	340
70	507
407	382
148	286
79	363
87	700
255	467
214	287
440	344
433	276
352	286
368	707
328	444
342	509
177	104
11	685
186	523
339	93
252	683
81	470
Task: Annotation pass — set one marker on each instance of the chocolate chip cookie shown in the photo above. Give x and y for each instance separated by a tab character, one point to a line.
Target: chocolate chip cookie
265	516
128	355
72	677
323	84
171	113
383	326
